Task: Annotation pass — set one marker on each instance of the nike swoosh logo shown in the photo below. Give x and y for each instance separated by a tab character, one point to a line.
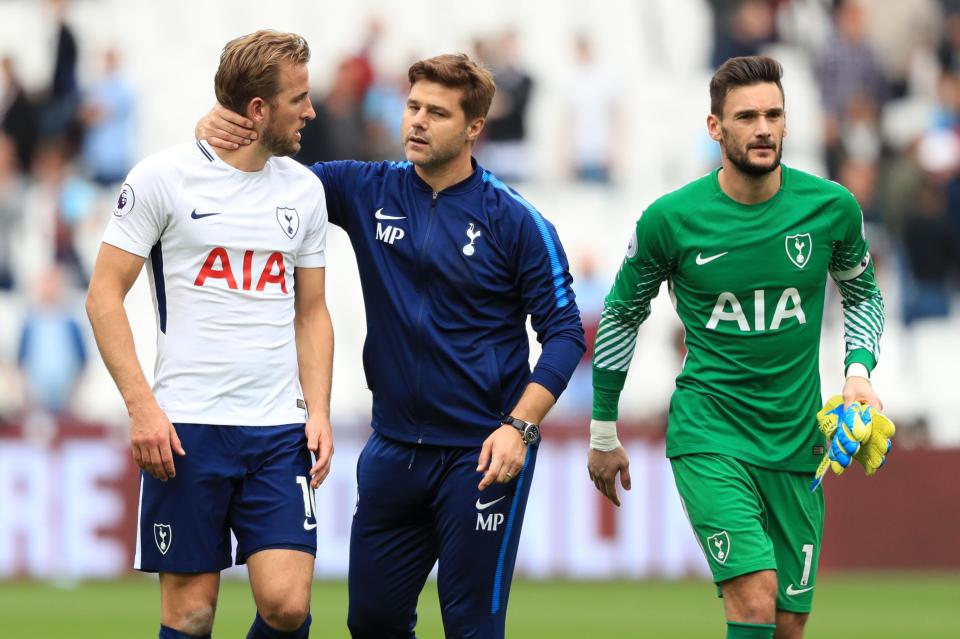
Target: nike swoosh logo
380	216
797	591
706	260
482	506
200	216
308	526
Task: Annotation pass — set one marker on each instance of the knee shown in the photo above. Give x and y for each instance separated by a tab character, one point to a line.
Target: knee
751	598
194	620
285	616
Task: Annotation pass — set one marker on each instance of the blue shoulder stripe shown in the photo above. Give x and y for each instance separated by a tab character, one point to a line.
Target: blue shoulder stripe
556	270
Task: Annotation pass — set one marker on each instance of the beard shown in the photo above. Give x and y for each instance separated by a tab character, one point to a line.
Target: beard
277	143
437	155
740	158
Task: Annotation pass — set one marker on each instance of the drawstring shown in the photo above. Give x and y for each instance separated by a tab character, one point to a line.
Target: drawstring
413	457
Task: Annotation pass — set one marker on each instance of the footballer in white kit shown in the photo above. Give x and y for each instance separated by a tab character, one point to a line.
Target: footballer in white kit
221	247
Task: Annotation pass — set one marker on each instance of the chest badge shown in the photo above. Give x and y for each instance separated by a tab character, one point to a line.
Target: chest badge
799	248
289	220
469	249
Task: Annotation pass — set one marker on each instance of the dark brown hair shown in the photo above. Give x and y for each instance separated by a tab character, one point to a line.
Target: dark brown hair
741	72
250	67
458	71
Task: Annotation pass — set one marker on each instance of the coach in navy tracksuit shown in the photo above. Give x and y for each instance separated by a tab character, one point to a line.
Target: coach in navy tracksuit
452	261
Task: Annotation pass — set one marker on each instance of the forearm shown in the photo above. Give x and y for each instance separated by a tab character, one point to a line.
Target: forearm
111	328
314	335
863	319
534	404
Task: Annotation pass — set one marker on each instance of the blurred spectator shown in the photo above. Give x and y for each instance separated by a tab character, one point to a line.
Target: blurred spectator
52	354
17	115
59	113
107	114
503	147
591	288
383	108
852	88
904	36
58	202
337	133
860	178
930	249
11	209
929	242
592	101
741	27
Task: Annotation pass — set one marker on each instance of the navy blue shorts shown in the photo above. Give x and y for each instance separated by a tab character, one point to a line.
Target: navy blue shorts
419	505
253	480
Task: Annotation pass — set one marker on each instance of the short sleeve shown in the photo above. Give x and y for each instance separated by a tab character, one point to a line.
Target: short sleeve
312	252
141	211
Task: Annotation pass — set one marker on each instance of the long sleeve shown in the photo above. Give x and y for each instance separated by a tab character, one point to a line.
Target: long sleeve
863	312
627	306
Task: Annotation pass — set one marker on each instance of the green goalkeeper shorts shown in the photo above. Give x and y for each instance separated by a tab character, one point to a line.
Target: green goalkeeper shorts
748	518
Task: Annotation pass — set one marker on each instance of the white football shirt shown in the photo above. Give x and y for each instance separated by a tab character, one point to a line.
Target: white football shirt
221	246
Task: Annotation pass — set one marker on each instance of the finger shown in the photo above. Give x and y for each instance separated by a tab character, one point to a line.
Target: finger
625	477
175	442
166	459
484	456
137	456
220	143
313	442
235	118
496	464
156	464
321	469
610	490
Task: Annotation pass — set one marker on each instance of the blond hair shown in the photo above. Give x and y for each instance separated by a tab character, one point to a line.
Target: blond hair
250	66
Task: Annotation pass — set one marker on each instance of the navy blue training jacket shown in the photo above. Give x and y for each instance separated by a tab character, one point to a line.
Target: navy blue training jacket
448	280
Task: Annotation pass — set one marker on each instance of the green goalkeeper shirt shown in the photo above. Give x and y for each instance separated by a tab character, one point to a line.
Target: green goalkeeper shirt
748	285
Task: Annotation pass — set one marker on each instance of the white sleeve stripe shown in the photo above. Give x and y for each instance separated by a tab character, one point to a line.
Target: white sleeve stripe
852	273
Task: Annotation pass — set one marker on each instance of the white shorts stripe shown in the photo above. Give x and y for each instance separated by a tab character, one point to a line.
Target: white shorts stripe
136	557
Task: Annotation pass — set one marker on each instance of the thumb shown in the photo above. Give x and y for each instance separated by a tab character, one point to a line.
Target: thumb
175	442
625	477
313	440
484	455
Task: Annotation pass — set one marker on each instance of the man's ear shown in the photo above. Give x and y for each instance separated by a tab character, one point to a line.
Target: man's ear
713	127
257	110
474	129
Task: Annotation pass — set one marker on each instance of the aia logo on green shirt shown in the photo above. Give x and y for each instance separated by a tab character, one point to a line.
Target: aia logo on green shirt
799	247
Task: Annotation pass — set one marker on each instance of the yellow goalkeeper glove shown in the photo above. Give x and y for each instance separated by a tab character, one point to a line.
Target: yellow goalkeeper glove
874	449
859	432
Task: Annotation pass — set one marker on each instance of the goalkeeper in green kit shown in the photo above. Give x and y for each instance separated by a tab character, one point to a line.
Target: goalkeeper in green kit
746	252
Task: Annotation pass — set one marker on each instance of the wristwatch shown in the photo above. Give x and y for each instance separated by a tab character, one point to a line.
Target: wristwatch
528	431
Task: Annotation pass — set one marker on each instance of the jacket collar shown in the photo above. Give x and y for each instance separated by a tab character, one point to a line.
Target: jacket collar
473	181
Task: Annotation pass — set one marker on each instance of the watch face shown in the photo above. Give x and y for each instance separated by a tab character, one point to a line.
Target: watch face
531	434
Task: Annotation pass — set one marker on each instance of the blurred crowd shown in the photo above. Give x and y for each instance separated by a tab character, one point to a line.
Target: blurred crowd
887	73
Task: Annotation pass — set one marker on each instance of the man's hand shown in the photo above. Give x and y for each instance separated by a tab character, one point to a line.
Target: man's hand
859	389
502	456
225	129
153	440
603	468
320	442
